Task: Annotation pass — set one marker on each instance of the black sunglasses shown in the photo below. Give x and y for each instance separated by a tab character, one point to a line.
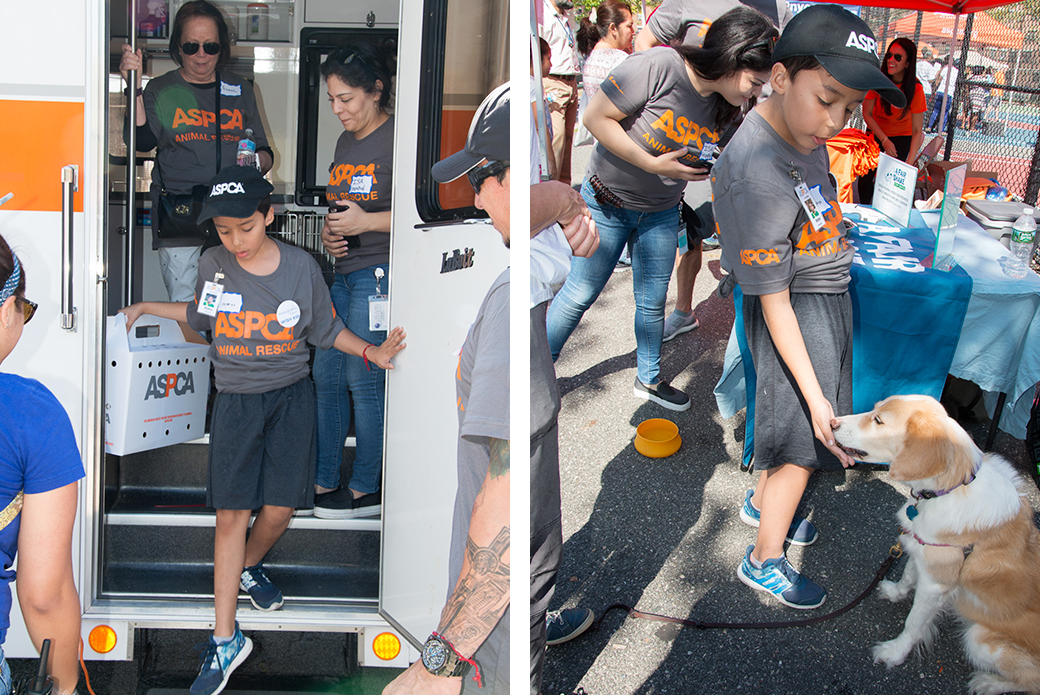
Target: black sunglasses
347	56
192	47
28	309
477	175
897	56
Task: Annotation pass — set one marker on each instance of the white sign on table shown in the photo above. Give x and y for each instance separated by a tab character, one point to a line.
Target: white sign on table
894	189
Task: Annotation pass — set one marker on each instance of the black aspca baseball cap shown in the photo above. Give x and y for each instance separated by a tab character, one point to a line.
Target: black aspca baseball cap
844	45
488	138
235	192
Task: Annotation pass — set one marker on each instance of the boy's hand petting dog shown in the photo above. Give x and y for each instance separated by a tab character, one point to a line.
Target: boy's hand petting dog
393	344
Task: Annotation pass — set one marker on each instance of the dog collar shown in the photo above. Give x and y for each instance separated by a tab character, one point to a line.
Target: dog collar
931	494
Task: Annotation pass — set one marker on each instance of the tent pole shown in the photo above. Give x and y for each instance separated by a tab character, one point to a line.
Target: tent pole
946	85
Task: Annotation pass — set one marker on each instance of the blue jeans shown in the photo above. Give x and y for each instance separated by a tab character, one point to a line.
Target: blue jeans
340	378
5	676
936	109
653	237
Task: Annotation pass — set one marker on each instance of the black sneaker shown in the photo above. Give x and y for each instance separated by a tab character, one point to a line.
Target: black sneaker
340	504
664	396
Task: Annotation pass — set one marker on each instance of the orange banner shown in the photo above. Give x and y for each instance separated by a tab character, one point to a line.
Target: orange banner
39	138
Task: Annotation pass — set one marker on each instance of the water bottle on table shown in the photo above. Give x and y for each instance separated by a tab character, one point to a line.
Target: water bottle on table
246	150
1022	235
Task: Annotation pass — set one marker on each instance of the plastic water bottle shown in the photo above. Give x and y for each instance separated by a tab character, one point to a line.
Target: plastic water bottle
1022	234
246	150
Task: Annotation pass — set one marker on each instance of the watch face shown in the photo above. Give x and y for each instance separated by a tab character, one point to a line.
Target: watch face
434	655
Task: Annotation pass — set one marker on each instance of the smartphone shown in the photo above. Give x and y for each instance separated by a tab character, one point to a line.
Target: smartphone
353	242
693	159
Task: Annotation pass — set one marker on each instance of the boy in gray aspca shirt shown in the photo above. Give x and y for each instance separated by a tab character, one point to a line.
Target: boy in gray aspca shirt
263	301
783	241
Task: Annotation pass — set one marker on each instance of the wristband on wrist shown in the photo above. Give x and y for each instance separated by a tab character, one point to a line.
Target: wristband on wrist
138	93
365	357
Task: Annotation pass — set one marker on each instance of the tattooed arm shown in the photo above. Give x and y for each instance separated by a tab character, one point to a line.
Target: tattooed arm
481	594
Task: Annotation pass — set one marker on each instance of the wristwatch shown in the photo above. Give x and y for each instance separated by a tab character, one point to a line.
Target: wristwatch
441	659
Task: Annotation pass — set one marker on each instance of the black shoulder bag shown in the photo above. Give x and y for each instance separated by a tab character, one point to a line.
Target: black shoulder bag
178	213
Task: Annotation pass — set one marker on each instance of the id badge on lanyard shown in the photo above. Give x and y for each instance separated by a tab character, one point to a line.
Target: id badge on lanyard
211	294
811	201
378	306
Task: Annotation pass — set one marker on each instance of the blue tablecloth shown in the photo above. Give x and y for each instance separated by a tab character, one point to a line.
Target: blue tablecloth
907	319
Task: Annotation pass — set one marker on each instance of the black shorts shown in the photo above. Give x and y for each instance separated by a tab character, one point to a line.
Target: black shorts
262	448
783	425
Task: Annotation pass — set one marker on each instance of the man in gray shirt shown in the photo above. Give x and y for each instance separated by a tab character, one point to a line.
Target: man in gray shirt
471	642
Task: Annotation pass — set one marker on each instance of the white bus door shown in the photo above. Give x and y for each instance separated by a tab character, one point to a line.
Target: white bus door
444	257
49	126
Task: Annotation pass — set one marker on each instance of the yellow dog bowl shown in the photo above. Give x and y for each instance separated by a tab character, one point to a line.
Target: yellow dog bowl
657	438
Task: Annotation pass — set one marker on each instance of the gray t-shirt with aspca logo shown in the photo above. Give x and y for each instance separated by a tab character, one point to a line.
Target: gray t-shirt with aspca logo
362	174
264	322
687	21
767	241
665	113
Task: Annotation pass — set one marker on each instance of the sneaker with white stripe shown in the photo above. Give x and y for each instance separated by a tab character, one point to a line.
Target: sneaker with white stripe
783	582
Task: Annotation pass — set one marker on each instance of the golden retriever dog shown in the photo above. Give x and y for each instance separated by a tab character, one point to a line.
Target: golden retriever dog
969	535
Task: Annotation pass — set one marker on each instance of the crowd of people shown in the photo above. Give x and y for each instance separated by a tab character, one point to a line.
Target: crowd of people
686	109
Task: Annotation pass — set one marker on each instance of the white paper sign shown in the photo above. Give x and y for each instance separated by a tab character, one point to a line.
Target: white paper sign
894	188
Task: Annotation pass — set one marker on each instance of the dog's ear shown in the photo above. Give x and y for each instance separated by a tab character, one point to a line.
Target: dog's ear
927	448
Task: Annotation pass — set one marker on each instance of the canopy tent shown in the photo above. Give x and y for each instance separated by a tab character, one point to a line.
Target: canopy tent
940	27
954	6
976	58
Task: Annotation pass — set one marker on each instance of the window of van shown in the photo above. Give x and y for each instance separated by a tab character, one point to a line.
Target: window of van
466	56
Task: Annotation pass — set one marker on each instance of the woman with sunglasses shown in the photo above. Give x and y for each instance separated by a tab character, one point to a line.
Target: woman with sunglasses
39	469
176	116
899	132
357	234
652	117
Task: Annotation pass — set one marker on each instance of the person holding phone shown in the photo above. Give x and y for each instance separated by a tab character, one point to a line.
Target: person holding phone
357	234
649	111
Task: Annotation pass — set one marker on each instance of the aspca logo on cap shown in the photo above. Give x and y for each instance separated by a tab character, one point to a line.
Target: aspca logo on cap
231	187
863	42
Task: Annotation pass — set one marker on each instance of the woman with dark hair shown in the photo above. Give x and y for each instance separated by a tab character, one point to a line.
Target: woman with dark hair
177	116
359	79
605	39
899	132
39	469
654	114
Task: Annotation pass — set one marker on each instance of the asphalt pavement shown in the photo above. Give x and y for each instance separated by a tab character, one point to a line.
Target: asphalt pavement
664	536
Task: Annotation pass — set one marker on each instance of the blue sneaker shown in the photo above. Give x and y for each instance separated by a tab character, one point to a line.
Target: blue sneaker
564	625
218	663
782	581
801	531
264	595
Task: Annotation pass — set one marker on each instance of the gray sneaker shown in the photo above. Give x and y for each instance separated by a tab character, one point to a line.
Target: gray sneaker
711	243
676	324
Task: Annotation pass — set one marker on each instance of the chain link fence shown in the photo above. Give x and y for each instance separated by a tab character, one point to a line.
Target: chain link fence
994	105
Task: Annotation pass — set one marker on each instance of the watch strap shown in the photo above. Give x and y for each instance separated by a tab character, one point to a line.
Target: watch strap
456	665
137	93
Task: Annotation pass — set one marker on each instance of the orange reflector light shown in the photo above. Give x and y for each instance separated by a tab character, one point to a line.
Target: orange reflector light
102	639
386	646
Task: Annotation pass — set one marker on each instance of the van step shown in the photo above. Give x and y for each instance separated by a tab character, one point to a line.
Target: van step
316	563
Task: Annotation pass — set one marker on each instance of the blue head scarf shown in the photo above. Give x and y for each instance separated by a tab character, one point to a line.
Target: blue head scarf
12	282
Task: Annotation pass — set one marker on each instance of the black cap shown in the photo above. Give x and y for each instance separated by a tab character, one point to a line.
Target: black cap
844	45
488	138
235	192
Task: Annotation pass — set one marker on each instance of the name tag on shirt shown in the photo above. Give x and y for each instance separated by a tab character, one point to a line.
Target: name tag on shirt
230	90
230	302
361	184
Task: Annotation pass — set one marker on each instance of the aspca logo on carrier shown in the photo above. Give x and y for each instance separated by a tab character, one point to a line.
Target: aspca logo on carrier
863	42
230	187
162	385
